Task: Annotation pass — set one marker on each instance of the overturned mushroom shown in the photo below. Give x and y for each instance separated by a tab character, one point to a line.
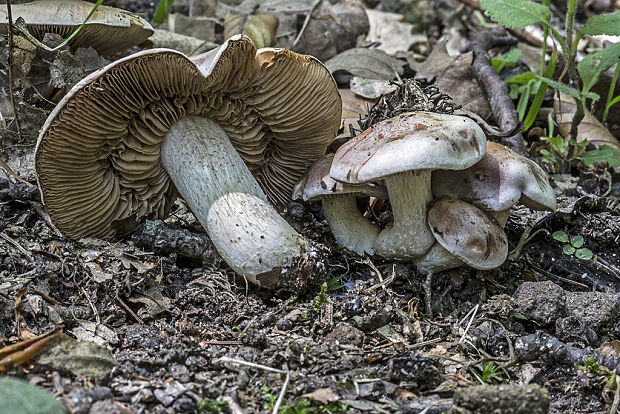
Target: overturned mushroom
465	236
501	179
351	229
123	140
108	30
403	151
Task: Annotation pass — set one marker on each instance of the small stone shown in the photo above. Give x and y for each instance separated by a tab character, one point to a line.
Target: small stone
346	334
284	325
541	302
180	373
143	336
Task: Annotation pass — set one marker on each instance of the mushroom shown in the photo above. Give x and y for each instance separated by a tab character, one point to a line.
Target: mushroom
403	151
351	229
497	182
122	142
108	30
465	235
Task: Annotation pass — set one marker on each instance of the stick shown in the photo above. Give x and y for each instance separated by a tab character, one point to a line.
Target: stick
10	63
306	21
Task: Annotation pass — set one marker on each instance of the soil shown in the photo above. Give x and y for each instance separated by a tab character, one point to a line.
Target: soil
177	331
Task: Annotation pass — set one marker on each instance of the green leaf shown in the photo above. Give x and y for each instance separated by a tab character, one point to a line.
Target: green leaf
568	90
591	67
161	14
576	241
515	13
522	78
604	153
509	59
560	236
584	254
568	249
17	396
608	24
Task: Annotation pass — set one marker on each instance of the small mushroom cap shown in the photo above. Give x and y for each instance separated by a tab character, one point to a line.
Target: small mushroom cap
468	233
497	182
97	157
108	30
409	142
317	183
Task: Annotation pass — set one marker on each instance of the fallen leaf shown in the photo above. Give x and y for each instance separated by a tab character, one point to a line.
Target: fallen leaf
261	28
17	396
590	128
98	275
366	63
24	351
452	76
353	106
371	88
391	32
322	395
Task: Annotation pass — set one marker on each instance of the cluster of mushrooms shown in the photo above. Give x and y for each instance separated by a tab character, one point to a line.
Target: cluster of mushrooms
235	131
450	191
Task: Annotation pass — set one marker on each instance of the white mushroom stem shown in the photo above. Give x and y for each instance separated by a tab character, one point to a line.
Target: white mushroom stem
408	236
437	259
350	228
224	196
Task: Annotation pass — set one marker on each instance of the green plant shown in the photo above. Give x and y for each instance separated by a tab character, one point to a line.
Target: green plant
573	245
489	373
163	9
610	95
320	298
210	406
521	13
507	60
561	153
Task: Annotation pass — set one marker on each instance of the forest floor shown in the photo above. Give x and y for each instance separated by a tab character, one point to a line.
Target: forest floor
175	330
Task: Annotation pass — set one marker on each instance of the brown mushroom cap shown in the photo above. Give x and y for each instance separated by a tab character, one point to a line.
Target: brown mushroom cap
497	182
97	156
468	233
108	30
318	183
410	142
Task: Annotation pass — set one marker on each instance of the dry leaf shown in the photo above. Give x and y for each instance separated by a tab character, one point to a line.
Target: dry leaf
391	32
322	395
366	63
590	128
261	28
452	76
353	106
371	88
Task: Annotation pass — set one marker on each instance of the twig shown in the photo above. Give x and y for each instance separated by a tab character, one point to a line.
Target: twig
614	405
38	208
10	68
251	364
496	89
17	245
306	21
128	309
473	313
276	406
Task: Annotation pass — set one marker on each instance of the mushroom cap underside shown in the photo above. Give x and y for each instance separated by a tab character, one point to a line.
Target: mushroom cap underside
497	182
97	157
468	233
409	142
108	30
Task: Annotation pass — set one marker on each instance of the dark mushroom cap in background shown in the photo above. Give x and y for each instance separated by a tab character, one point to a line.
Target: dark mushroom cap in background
108	31
409	142
497	182
97	157
318	183
468	233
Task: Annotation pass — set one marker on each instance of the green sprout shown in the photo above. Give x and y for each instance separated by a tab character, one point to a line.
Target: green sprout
573	245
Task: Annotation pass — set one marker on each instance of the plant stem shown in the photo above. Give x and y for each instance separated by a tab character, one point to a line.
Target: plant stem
610	94
570	22
579	114
10	70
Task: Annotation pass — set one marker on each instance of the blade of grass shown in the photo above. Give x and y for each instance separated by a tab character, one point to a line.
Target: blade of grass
610	96
540	94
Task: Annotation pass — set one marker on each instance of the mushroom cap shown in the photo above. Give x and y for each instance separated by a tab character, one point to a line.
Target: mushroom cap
409	142
97	157
317	183
108	31
468	233
497	182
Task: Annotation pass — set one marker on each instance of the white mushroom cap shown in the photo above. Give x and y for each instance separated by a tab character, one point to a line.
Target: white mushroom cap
497	182
468	233
412	141
318	183
109	29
